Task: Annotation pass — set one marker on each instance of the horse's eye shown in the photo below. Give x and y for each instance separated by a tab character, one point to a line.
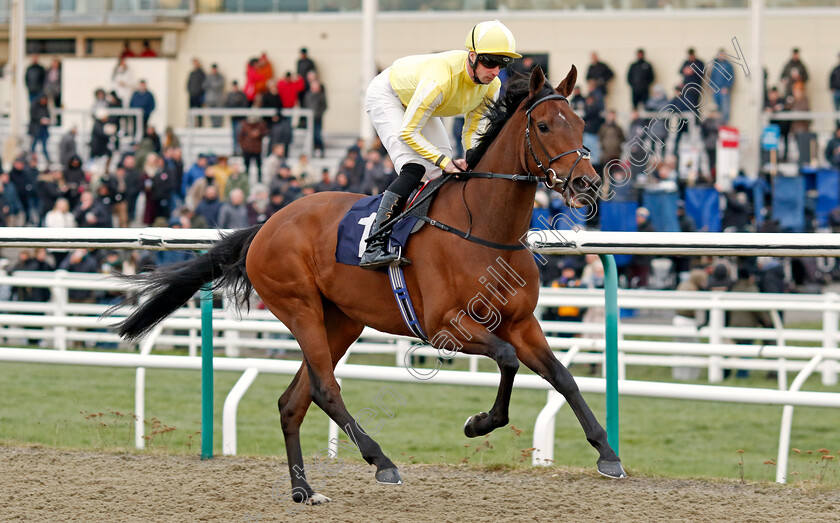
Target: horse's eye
542	127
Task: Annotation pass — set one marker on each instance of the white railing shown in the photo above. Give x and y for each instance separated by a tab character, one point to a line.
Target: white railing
550	242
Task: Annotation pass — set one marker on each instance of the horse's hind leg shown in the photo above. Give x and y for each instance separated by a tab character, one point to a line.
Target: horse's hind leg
295	401
487	344
306	320
533	351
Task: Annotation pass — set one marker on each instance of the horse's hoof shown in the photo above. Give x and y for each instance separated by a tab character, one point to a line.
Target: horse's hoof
317	499
388	477
470	429
611	469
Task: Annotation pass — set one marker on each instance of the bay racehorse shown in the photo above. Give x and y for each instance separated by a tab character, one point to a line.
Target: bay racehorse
290	262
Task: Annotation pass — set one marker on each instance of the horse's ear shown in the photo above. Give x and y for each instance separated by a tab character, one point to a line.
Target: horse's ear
537	80
568	83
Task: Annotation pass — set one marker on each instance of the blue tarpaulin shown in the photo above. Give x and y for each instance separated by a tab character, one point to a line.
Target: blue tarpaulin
828	194
618	216
789	203
703	205
663	210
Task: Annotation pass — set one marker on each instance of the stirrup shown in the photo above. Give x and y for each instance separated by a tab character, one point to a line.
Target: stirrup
377	256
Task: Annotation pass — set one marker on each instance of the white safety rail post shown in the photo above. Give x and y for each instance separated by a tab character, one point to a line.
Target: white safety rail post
717	318
403	346
60	299
543	454
193	341
831	318
779	327
140	389
230	407
231	335
332	434
787	420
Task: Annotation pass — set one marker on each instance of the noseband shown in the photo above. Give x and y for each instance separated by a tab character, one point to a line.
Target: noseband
550	175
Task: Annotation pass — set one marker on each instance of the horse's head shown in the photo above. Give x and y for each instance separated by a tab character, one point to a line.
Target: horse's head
554	141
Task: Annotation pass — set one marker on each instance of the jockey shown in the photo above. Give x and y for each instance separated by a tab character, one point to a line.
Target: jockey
406	102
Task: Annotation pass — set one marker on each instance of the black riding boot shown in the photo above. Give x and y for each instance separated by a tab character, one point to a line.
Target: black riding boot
376	254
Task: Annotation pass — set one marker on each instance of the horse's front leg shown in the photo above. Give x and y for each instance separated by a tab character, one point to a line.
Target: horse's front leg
485	343
534	352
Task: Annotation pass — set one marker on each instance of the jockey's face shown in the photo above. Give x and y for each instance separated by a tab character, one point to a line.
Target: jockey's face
485	71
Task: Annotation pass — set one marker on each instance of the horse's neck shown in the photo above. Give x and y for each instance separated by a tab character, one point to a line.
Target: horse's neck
501	209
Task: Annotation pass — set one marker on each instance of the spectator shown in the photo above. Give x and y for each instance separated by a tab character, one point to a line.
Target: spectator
289	89
577	101
640	77
684	219
832	150
275	202
265	71
75	180
174	167
114	102
643	223
195	173
775	104
195	88
302	170
711	128
35	77
67	146
100	136
236	99
834	85
39	124
117	191
170	139
316	100
326	183
51	187
126	50
736	214
746	319
691	69
122	80
143	99
722	77
592	122
273	161
251	135
133	184
29	263
11	207
258	205
611	137
91	213
281	133
99	102
209	206
305	65
683	104
600	73
157	189
214	93
235	180
271	100
25	179
80	260
218	175
233	214
60	215
52	87
252	80
799	102
794	72
147	51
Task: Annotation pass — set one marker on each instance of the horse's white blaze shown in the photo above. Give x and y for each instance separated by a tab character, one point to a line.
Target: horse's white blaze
560	114
317	499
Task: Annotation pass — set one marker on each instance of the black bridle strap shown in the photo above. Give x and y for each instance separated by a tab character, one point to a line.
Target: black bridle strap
470	237
549	173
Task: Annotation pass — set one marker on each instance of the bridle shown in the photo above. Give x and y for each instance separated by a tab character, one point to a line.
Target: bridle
550	175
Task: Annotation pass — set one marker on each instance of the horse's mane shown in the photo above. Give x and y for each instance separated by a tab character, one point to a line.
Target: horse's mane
498	113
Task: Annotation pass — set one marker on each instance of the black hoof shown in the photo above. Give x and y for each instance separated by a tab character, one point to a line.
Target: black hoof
611	469
477	425
388	476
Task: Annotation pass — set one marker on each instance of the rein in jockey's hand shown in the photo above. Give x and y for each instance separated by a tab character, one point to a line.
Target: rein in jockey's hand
456	166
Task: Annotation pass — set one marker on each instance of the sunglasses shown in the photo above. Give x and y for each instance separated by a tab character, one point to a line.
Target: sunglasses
491	61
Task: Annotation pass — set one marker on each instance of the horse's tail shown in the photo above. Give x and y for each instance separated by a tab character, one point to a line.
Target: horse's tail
165	290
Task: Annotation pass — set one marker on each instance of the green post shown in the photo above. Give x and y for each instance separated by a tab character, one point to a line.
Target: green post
206	372
611	306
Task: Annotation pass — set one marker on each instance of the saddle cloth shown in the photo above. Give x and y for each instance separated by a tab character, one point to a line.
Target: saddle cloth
355	226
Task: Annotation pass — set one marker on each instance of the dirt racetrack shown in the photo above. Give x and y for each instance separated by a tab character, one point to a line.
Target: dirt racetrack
40	484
